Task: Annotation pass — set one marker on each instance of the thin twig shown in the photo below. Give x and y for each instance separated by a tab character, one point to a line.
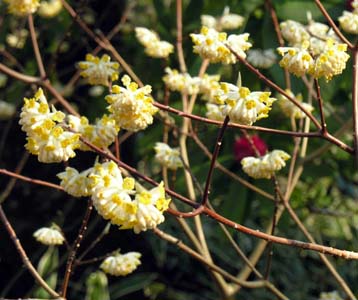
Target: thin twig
35	47
320	105
24	257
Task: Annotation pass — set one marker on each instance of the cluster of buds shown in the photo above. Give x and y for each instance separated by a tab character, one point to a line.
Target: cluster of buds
227	21
121	264
349	19
115	198
167	156
290	109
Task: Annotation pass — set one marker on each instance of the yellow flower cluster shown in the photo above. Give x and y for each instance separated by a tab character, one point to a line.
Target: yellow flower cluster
102	134
45	136
265	166
242	105
131	107
212	45
154	47
167	156
349	20
112	196
314	49
49	236
121	264
99	70
22	8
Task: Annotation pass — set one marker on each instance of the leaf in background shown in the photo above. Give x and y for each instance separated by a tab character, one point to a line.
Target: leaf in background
97	286
47	268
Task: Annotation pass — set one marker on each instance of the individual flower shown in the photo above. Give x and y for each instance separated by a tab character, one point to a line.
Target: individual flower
50	9
290	109
167	156
181	82
154	47
45	136
263	59
102	134
227	21
211	44
17	39
7	110
22	8
75	183
150	207
49	236
131	107
215	112
264	166
294	32
242	105
111	194
332	61
209	86
99	70
121	264
244	147
296	60
349	22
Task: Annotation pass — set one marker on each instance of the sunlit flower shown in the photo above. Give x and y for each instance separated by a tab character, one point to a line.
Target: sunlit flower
211	44
121	264
167	156
132	107
296	60
244	148
242	105
290	109
332	61
264	166
111	194
49	236
215	112
150	207
75	183
349	22
50	9
263	59
7	110
45	137
99	70
22	8
294	32
181	82
102	134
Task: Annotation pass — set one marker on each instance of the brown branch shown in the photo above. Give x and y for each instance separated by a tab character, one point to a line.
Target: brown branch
179	16
18	75
35	47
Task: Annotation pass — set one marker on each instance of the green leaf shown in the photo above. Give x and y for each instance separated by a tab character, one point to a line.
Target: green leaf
97	286
47	268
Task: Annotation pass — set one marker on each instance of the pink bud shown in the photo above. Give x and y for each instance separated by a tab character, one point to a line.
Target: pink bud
243	148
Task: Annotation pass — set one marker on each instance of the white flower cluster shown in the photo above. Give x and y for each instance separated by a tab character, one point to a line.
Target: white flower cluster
290	109
112	196
22	8
213	45
50	9
131	107
45	136
227	21
154	47
167	156
264	166
121	264
240	104
7	110
349	20
314	49
262	59
49	236
99	70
